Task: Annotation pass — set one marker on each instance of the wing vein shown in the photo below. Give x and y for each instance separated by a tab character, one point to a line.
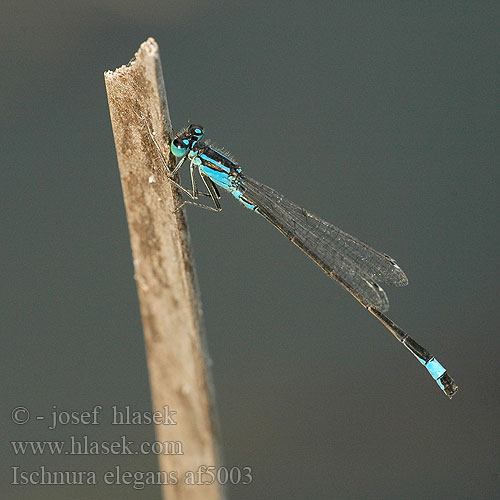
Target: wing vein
354	264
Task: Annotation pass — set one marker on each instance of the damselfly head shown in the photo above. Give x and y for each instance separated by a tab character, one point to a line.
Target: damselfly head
186	139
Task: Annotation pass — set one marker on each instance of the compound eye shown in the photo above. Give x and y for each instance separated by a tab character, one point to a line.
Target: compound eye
179	147
196	131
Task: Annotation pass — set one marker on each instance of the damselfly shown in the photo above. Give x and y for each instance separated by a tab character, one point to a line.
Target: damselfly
352	263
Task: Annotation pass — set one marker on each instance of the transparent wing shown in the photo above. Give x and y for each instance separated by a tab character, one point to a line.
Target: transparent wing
355	265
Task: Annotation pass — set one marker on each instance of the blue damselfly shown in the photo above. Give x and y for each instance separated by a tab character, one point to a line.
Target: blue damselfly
352	263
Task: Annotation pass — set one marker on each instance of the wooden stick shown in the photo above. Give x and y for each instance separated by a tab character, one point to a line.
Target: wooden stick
166	283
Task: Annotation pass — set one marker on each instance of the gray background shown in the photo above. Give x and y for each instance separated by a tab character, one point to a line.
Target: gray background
379	116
